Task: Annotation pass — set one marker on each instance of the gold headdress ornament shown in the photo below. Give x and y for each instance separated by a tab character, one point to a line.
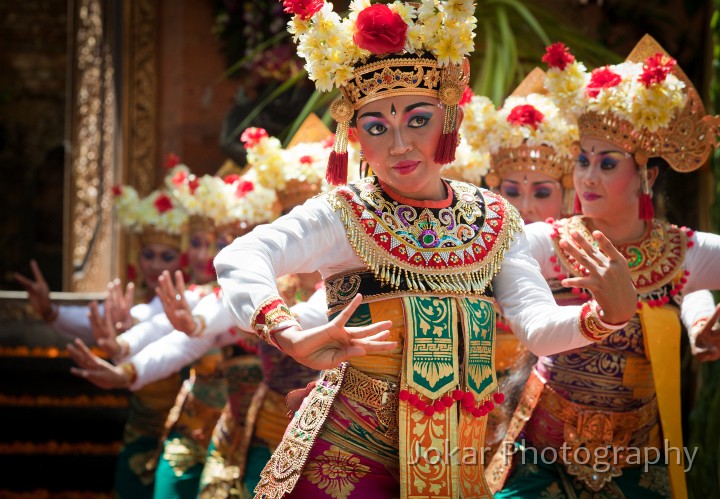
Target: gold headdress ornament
156	219
646	105
380	50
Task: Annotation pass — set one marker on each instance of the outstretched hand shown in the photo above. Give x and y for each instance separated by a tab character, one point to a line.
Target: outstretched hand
705	339
326	346
174	303
96	370
103	330
38	292
118	305
605	274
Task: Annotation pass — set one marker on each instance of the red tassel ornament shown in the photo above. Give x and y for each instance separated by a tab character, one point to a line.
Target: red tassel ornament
646	210
445	152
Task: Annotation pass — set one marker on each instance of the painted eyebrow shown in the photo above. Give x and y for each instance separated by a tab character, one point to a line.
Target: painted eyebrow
409	108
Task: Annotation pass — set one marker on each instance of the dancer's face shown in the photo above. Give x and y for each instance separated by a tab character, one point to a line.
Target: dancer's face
399	136
537	196
154	259
606	180
201	252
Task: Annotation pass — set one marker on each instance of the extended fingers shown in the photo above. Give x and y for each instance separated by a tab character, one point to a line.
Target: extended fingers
348	311
25	282
608	247
180	283
372	329
376	343
39	278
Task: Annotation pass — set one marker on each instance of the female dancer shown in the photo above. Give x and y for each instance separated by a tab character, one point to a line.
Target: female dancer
408	259
605	408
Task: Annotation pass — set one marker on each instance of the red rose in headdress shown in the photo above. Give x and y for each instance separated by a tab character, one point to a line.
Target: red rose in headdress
466	96
243	188
193	185
251	136
656	69
306	160
232	178
602	78
525	115
380	30
179	178
304	9
117	190
558	56
163	203
172	160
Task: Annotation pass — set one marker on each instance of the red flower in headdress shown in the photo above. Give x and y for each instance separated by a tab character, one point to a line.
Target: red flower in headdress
306	160
380	30
466	96
117	190
179	178
558	56
602	78
232	178
163	203
304	9
525	115
193	185
243	188
172	160
251	136
656	69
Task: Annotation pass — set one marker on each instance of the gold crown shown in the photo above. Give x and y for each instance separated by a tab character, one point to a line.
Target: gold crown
542	158
685	143
151	235
200	223
406	76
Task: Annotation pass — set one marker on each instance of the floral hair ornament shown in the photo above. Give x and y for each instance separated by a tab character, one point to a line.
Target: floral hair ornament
379	50
297	172
646	105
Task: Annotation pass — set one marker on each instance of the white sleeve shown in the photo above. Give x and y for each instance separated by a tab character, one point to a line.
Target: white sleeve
72	322
312	313
311	237
216	315
144	311
695	306
529	307
168	355
141	335
541	247
702	261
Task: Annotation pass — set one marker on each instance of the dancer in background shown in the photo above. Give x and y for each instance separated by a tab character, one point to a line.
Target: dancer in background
623	393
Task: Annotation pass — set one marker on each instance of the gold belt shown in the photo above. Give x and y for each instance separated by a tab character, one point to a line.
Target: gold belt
587	429
375	393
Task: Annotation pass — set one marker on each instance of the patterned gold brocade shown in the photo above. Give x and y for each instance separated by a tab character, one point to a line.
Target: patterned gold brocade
272	420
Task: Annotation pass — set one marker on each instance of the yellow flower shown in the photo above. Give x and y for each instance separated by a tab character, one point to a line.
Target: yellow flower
447	51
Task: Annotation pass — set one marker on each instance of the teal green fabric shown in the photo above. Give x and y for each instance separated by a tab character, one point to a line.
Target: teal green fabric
130	481
552	481
258	456
168	485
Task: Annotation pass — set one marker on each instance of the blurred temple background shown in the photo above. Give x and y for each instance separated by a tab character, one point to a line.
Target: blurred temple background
98	92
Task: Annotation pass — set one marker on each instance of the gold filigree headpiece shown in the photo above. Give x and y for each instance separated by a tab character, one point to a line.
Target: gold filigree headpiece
382	50
646	105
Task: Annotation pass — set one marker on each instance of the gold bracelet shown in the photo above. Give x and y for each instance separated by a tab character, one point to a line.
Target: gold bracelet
129	371
200	325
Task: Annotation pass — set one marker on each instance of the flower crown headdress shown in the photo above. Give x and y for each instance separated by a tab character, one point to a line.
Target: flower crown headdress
206	199
250	203
157	218
527	133
646	105
380	50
